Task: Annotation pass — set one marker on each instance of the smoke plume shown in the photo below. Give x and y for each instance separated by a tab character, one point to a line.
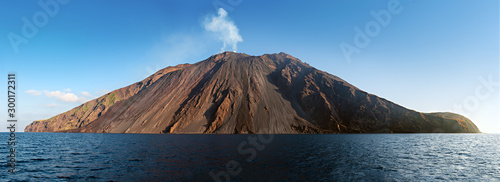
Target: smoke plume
224	28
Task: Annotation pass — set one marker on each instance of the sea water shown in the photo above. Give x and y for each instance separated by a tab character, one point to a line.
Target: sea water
174	157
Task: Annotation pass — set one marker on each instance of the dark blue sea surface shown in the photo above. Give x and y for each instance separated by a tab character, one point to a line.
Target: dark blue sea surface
345	157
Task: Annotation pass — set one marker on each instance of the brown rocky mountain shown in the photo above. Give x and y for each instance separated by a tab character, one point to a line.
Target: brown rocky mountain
237	93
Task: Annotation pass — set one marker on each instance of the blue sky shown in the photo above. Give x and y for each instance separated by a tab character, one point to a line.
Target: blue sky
431	55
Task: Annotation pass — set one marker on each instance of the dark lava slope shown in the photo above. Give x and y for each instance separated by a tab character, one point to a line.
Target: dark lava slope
237	93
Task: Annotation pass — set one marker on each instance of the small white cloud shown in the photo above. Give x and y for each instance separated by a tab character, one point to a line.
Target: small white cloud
33	92
51	105
67	90
62	96
225	29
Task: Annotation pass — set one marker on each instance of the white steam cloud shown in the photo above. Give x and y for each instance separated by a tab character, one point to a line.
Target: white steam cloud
224	28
